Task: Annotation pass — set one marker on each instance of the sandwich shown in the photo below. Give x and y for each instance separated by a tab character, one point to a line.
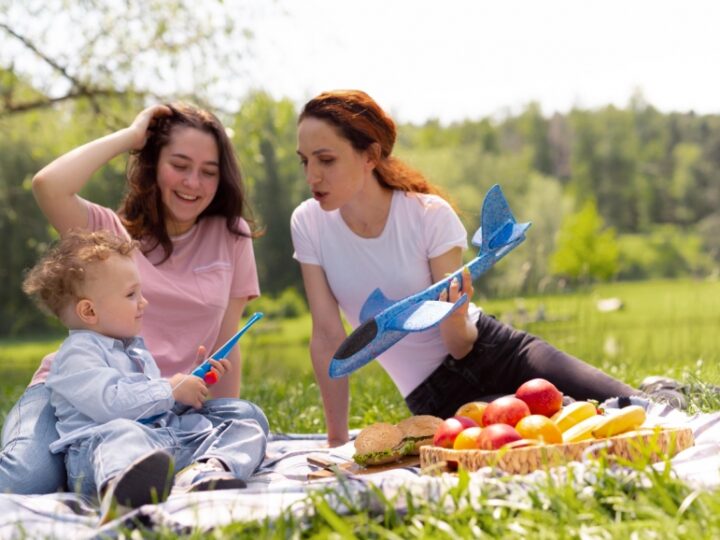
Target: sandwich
378	444
419	430
383	443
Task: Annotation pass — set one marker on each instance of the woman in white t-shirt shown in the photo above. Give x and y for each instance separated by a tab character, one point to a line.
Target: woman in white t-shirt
374	222
186	206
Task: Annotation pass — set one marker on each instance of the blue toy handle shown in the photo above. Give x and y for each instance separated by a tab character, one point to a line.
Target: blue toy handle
203	370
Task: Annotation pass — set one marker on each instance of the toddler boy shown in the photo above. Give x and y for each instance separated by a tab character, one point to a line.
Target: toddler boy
116	415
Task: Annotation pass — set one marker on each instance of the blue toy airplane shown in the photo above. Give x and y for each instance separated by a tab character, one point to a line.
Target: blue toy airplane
384	322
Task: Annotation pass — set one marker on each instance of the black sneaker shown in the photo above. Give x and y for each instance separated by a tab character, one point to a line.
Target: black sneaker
145	481
665	390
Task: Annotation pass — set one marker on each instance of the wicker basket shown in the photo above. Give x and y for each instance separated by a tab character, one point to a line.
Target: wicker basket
656	444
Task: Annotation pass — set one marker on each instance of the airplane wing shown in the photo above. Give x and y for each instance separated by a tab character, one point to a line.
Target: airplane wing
424	315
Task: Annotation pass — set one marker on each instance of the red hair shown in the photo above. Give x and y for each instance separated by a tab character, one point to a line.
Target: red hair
361	121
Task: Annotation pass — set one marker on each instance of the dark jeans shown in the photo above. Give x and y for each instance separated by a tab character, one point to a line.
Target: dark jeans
502	359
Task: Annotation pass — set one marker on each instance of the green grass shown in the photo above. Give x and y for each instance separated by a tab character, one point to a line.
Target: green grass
665	328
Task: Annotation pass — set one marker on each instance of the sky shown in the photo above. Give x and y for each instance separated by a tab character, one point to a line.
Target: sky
470	59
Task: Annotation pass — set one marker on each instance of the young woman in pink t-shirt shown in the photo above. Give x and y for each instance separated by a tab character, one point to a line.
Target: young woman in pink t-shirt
186	206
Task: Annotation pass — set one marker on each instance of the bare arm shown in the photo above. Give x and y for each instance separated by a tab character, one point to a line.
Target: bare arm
327	335
458	331
229	383
57	185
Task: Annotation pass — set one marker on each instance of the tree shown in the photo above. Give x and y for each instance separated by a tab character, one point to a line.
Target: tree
604	165
53	51
265	131
25	236
584	250
535	130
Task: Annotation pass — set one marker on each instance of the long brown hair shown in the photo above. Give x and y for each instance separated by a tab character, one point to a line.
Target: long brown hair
362	122
142	211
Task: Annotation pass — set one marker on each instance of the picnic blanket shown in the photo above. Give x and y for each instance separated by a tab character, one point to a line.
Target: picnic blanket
281	485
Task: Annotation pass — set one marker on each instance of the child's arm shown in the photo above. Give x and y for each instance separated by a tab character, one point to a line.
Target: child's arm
82	374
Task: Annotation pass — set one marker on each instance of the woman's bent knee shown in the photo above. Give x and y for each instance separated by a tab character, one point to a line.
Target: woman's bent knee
26	464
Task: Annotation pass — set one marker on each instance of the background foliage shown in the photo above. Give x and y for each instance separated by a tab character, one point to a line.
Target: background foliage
629	193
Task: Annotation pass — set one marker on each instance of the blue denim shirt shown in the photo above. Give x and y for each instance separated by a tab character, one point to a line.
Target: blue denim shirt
94	379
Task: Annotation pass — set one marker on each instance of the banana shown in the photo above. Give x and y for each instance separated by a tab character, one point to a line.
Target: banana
583	430
574	413
627	419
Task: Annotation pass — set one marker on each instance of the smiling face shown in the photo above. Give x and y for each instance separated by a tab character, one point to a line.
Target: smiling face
335	171
112	302
188	174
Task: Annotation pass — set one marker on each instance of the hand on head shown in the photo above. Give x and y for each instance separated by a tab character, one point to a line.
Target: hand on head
143	121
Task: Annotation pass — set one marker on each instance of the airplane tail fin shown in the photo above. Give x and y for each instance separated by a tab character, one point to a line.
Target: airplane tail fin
498	227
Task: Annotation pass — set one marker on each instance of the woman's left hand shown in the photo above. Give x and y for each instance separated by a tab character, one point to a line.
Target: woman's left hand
458	331
454	292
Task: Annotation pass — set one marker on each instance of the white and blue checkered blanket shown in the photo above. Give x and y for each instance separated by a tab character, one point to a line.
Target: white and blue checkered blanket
281	485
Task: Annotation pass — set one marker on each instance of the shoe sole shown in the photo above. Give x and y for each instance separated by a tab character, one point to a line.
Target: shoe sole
146	481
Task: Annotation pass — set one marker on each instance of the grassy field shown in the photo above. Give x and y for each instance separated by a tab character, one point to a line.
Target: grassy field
664	328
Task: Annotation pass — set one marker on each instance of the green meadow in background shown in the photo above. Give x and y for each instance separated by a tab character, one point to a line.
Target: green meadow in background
666	328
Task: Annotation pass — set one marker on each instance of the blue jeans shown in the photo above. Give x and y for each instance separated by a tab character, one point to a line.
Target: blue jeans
28	467
221	409
26	464
91	462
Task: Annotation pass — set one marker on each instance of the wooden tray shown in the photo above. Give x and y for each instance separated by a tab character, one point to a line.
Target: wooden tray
330	469
657	443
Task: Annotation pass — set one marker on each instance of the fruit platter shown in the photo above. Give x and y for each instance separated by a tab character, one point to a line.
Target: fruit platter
533	430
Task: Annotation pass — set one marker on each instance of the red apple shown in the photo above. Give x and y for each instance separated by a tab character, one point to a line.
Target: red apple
496	435
541	396
505	410
447	431
466	421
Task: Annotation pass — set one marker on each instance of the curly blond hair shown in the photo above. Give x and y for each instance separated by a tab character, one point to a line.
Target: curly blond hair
57	279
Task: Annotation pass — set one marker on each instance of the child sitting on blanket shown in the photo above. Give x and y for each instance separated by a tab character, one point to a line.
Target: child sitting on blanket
117	420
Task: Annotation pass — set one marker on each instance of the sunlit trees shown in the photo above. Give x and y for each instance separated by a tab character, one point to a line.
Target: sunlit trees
586	250
54	51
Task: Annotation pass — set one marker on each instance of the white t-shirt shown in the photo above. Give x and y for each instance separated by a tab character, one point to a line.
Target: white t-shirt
419	227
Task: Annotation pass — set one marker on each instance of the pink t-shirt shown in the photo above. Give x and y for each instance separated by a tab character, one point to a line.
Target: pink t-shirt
188	293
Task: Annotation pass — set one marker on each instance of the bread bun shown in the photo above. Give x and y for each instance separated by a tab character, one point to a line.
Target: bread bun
378	443
420	429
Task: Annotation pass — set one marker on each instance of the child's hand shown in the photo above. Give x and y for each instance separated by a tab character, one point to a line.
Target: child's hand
217	369
189	390
221	366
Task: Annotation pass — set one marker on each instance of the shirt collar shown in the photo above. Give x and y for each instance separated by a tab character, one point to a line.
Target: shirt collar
110	342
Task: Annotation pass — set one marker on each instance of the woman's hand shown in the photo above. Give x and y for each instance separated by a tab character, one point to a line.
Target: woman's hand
143	121
454	292
458	331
